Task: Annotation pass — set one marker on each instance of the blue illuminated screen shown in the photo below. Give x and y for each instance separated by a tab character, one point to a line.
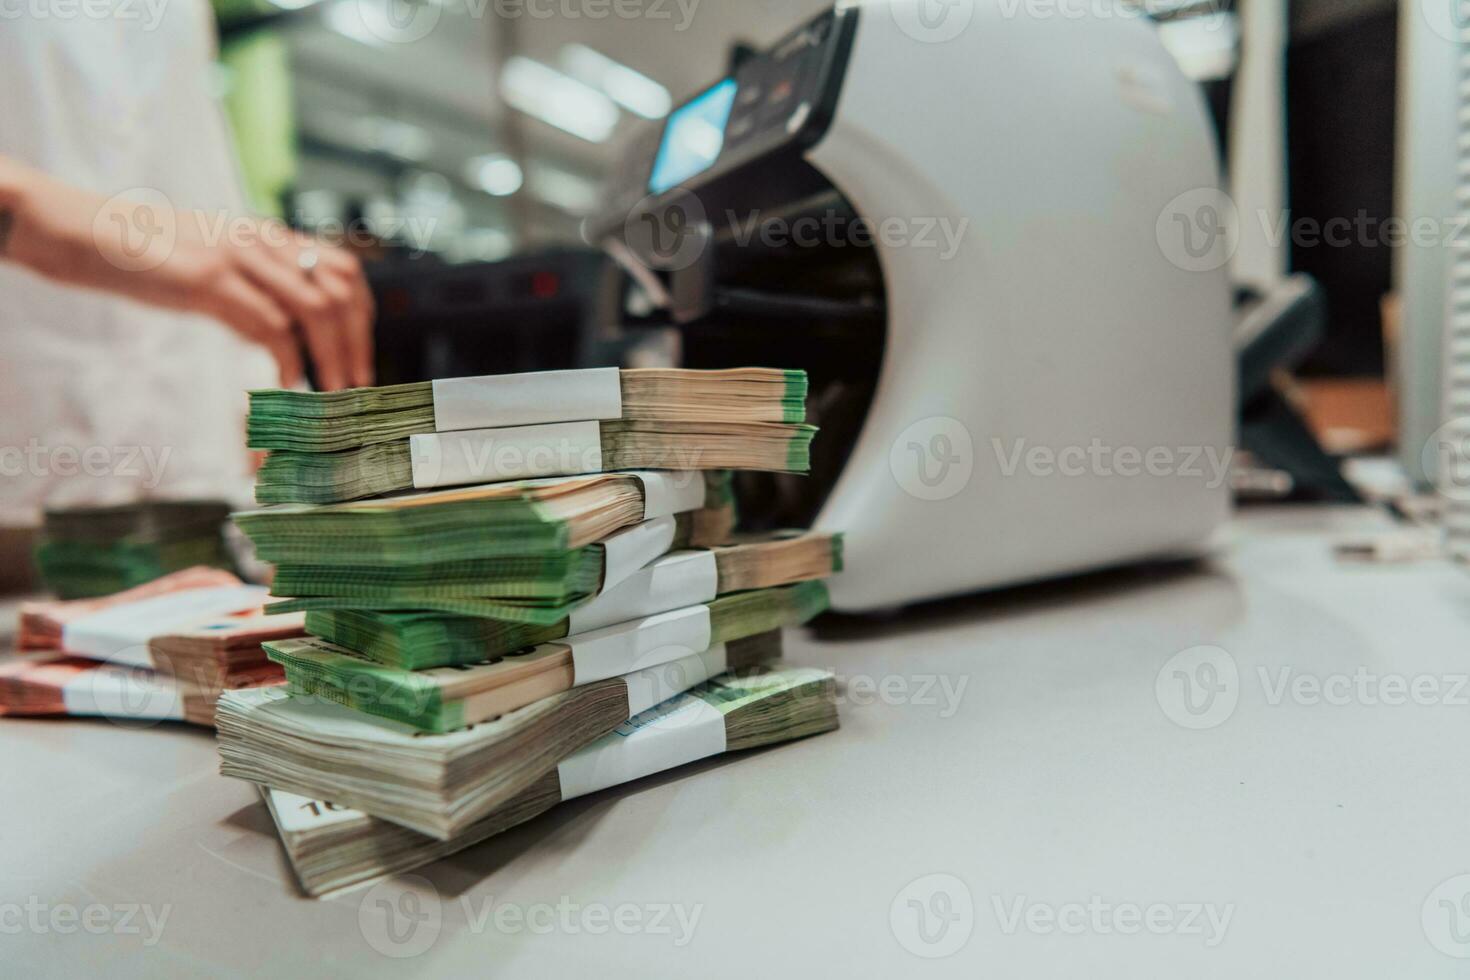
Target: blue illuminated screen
693	137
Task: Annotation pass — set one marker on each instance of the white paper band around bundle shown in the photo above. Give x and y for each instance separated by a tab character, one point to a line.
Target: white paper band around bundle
675	733
121	634
124	694
654	685
499	401
627	551
648	642
684	578
451	459
670	492
297	814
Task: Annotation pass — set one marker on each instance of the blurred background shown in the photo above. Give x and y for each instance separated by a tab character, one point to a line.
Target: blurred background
466	140
471	129
479	131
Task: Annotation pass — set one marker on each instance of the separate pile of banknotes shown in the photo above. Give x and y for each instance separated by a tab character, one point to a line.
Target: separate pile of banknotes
162	651
92	552
491	595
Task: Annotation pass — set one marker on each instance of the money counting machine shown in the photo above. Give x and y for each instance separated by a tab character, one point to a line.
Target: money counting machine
959	219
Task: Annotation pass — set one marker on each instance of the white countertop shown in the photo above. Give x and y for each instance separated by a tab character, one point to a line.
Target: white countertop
1315	834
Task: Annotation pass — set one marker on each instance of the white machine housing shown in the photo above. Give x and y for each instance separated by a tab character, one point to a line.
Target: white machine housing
1056	395
1060	320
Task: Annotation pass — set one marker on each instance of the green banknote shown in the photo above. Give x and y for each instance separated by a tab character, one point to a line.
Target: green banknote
458	788
420	640
531	517
90	552
762	562
447	698
335	421
495	455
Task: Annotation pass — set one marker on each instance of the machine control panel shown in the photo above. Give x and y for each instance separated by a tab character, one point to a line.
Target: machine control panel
779	99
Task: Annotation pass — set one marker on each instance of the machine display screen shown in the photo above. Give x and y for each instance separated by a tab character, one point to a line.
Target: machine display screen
693	138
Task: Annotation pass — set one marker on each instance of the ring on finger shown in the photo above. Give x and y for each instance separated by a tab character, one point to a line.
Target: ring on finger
308	260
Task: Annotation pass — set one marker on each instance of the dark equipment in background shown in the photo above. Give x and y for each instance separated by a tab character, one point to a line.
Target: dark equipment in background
1279	331
1342	101
818	309
529	313
1316	319
742	287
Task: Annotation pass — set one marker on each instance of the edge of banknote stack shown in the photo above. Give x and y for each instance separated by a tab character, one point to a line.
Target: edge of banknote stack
91	552
162	651
475	655
465	431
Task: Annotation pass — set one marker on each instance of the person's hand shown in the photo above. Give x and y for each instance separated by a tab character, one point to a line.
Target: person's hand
271	285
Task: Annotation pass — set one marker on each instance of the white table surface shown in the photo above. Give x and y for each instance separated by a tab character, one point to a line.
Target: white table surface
1321	830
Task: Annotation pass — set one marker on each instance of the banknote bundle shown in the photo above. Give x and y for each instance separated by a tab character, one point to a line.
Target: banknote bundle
163	651
513	519
332	846
56	684
324	422
442	786
326	448
466	646
544	588
443	699
41	623
679	578
558	579
424	640
567	449
90	552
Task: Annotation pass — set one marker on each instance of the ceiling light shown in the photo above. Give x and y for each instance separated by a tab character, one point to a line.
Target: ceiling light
565	191
630	89
390	137
345	17
495	174
558	99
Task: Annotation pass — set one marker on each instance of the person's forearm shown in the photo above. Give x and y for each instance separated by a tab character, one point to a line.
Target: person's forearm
49	228
271	289
20	189
12	190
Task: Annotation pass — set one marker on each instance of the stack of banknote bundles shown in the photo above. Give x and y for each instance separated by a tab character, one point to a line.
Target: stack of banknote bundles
332	846
85	553
550	600
159	652
360	443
